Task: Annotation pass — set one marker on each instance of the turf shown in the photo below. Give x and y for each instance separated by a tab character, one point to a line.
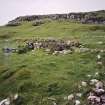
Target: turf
36	75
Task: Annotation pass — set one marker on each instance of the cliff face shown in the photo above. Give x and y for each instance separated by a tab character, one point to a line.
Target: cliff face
83	17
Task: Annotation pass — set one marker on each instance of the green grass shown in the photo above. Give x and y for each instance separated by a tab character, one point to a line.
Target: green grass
36	76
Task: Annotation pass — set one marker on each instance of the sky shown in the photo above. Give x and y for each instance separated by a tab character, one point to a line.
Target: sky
10	9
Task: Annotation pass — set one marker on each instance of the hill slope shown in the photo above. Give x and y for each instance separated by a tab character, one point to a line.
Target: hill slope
35	76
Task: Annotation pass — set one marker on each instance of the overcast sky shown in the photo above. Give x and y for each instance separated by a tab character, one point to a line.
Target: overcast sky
9	9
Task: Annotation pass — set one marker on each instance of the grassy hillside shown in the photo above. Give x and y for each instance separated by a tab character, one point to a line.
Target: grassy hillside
37	76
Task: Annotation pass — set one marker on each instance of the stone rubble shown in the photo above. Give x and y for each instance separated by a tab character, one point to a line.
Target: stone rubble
9	100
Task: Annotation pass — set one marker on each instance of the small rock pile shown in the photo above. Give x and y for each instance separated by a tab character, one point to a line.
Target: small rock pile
10	100
93	93
97	95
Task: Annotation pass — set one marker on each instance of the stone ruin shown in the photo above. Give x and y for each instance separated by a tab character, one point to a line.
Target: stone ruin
53	46
50	46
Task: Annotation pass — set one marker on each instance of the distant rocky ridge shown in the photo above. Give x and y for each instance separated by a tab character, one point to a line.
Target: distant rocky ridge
96	17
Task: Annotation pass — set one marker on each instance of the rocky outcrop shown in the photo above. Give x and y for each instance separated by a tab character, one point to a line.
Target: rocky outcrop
38	22
13	23
97	17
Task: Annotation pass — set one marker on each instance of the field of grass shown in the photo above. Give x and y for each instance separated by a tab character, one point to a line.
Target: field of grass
35	75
